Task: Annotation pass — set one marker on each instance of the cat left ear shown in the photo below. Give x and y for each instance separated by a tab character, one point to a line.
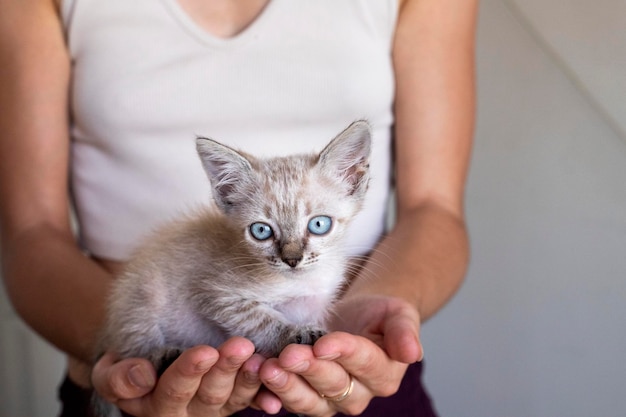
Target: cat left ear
225	167
346	157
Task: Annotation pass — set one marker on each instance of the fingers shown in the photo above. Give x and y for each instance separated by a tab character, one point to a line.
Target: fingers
294	393
202	381
402	337
392	323
129	378
232	382
328	378
364	360
310	384
247	384
176	387
307	379
317	380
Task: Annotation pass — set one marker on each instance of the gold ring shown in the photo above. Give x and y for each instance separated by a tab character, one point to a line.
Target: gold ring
345	394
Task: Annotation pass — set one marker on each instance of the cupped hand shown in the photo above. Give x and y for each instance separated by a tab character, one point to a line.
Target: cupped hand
377	338
203	381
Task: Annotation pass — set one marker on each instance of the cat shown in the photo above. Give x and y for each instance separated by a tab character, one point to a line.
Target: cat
264	261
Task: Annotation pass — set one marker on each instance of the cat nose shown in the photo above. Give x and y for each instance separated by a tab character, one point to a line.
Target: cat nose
292	262
291	254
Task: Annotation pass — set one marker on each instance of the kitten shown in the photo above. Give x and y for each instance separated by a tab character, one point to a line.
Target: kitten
264	262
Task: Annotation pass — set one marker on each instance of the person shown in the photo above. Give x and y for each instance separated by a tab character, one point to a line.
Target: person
94	94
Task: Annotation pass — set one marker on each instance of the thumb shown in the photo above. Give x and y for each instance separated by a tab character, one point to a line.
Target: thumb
401	337
126	379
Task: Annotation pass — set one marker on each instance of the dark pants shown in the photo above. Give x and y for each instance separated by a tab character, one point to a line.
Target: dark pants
411	400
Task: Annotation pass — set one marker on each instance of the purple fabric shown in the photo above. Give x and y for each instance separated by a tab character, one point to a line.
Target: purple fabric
74	400
411	400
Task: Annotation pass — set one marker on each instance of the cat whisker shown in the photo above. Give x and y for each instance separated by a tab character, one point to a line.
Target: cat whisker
252	266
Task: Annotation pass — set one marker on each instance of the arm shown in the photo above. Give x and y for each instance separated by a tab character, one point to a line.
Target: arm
424	258
55	288
52	285
422	261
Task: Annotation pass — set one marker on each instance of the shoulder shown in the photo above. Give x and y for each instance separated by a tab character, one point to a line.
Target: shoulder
440	22
439	8
16	11
32	4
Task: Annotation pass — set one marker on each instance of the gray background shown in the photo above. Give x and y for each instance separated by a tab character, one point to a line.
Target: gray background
538	328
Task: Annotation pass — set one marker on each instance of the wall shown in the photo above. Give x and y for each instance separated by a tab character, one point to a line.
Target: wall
538	328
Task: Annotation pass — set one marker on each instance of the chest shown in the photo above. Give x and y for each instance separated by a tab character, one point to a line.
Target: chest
223	18
146	65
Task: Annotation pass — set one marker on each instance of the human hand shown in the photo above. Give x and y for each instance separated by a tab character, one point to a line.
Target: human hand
378	337
203	381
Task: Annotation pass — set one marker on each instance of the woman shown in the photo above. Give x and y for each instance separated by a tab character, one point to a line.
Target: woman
134	71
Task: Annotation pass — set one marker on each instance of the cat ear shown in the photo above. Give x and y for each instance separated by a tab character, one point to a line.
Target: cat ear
346	157
225	167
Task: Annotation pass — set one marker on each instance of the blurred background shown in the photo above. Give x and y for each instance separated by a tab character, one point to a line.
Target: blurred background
539	328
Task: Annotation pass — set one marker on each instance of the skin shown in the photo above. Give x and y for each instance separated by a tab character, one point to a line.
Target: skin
412	273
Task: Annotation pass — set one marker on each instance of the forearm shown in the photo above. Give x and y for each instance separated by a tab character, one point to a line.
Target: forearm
422	260
57	290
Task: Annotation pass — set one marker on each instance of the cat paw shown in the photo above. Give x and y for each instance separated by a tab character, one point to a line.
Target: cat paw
163	358
300	336
306	336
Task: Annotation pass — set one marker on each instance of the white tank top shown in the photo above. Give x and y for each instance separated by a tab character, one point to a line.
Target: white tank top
147	80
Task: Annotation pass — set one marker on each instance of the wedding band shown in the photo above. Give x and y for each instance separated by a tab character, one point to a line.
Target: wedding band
343	395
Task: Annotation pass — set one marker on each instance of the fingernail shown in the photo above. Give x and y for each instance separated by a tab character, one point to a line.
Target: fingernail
278	380
251	377
140	378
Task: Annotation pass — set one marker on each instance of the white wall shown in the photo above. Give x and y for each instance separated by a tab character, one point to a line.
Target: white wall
539	327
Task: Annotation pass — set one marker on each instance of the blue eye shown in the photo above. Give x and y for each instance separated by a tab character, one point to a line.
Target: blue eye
261	231
320	225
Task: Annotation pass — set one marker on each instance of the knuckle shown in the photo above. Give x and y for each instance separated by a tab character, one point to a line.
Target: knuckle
387	389
334	392
213	398
383	382
116	388
177	396
371	364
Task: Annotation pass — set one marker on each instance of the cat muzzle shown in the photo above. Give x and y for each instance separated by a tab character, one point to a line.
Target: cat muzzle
291	253
292	261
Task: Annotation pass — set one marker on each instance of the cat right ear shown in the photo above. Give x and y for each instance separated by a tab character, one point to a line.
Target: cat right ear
225	167
346	157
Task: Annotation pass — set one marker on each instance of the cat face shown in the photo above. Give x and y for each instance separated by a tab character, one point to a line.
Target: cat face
292	214
292	211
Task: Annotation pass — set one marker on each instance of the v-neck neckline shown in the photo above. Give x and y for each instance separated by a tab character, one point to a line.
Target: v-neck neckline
206	37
